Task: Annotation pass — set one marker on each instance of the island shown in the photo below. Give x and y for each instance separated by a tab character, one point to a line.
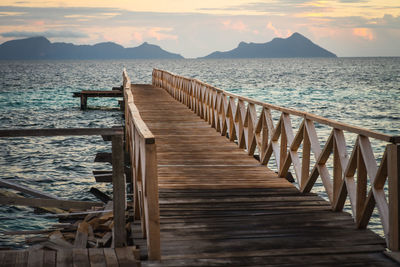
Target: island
41	48
295	46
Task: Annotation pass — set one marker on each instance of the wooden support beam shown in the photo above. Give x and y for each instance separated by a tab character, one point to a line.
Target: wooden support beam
43	202
83	102
119	191
394	196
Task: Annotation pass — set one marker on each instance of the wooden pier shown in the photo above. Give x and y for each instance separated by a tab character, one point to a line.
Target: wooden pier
220	206
207	169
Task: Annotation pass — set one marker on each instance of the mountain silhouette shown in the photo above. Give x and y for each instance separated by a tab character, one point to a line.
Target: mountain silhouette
294	46
41	48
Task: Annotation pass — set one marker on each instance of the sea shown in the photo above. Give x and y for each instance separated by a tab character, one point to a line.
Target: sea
363	92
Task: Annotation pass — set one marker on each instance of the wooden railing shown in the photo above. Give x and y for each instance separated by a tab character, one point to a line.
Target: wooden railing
140	143
250	123
118	181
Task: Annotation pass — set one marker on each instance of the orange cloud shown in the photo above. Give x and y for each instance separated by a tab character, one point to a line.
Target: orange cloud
364	33
137	36
236	26
156	32
277	32
38	23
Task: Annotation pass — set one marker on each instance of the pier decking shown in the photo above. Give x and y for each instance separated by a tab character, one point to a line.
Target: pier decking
126	256
220	206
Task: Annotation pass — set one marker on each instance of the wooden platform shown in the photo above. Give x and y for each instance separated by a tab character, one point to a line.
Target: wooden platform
96	93
219	206
70	257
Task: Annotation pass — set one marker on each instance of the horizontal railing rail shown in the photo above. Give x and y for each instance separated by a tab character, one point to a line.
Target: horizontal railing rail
250	123
140	143
118	180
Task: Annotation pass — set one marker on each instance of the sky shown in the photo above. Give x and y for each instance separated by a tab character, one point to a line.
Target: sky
348	28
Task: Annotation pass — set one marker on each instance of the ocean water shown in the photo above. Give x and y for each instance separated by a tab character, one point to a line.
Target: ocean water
38	94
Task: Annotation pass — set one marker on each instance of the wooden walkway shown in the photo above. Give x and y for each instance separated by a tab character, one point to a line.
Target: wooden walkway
219	206
126	256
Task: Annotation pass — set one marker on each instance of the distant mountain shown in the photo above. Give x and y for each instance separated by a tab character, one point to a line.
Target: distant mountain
41	48
294	46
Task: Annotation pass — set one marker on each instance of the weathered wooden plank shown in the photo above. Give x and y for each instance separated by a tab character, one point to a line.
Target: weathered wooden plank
81	236
36	257
9	194
49	258
64	258
125	256
21	258
44	202
25	189
80	257
96	257
110	257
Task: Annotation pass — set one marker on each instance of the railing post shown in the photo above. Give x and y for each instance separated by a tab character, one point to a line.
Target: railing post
394	196
152	212
119	191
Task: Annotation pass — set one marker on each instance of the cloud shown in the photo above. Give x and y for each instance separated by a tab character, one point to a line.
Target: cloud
10	14
159	34
48	34
364	33
277	32
353	1
236	26
272	7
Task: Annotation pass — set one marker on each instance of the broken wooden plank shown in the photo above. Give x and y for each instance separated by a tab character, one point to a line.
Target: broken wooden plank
81	236
25	189
31	232
100	195
43	202
125	256
6	193
58	239
103	157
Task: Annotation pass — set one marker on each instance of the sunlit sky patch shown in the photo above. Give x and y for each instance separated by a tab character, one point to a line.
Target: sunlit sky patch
196	28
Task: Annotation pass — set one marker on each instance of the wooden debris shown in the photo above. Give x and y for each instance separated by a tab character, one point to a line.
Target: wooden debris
103	157
9	194
58	238
43	202
81	237
27	190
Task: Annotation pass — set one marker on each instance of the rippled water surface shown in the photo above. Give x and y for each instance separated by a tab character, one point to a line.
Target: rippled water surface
38	94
